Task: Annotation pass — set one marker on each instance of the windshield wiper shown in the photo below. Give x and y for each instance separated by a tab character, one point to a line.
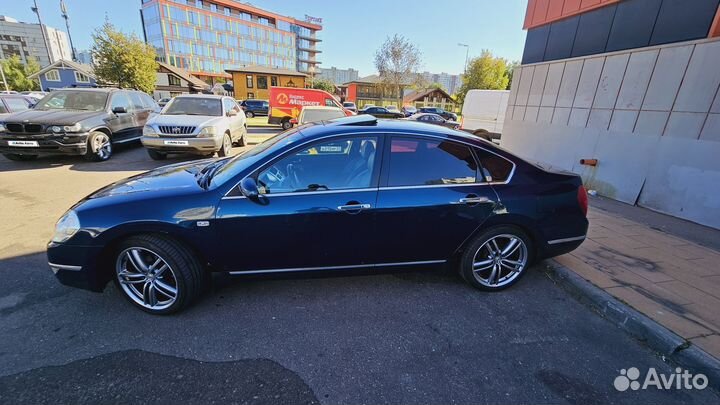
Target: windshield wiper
205	175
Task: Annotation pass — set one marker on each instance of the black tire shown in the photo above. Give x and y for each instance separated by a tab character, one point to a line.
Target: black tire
226	146
476	255
99	147
249	114
286	125
185	268
19	158
155	155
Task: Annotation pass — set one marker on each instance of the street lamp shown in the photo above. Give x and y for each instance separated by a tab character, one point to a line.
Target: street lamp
63	10
467	53
36	10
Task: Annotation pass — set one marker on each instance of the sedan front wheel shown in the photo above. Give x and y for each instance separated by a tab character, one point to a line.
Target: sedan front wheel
497	258
157	274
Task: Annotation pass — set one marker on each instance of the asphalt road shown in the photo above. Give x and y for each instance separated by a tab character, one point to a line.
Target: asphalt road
403	338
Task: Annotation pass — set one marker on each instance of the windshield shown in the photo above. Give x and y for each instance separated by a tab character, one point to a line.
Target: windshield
194	106
74	100
321	115
240	162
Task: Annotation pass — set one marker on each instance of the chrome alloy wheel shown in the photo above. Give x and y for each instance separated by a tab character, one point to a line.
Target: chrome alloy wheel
227	143
102	146
146	278
500	260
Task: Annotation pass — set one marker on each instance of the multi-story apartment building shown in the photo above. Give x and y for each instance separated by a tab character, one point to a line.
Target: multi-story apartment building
85	57
26	41
338	76
206	37
451	83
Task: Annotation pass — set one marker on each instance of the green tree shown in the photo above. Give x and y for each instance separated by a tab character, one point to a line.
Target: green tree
485	72
17	74
322	84
510	70
396	61
122	60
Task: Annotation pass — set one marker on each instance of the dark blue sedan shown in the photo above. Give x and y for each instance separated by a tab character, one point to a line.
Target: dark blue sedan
352	193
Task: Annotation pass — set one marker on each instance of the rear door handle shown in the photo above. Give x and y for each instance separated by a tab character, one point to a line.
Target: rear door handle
473	200
354	207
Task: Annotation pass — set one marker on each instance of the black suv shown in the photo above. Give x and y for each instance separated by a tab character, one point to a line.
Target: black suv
76	122
439	111
255	107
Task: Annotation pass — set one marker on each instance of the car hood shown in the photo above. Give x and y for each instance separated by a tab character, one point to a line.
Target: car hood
180	176
52	117
186	120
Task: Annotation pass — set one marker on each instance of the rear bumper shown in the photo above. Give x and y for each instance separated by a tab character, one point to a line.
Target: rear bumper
172	144
559	247
50	144
76	266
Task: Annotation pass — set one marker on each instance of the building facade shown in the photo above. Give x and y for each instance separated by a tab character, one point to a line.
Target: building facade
370	90
337	76
255	81
207	37
63	74
430	98
632	83
451	83
173	81
25	40
85	57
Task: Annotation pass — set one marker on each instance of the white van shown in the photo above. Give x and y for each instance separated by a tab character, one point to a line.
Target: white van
483	112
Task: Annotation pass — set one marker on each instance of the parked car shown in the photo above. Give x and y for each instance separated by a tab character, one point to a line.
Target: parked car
483	112
381	112
13	103
317	114
434	119
35	94
350	106
392	108
199	124
85	122
254	108
164	101
348	194
409	110
286	103
439	111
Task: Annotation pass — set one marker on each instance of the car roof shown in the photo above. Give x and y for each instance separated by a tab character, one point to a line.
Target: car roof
93	89
208	96
321	107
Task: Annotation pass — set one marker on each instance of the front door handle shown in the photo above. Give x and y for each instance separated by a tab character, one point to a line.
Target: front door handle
473	199
353	208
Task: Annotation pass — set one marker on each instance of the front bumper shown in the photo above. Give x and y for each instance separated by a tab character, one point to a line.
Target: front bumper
48	144
77	266
175	144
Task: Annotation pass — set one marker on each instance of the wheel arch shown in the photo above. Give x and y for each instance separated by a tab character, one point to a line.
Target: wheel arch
103	129
524	223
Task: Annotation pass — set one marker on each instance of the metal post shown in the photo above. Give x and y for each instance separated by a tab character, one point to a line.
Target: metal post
2	73
36	10
467	54
63	9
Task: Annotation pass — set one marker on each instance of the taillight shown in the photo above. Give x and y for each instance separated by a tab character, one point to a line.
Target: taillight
583	199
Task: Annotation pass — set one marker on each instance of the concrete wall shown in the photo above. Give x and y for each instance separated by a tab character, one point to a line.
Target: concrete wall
651	117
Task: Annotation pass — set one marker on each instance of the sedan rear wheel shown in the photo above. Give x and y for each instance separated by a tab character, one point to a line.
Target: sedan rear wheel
497	258
157	274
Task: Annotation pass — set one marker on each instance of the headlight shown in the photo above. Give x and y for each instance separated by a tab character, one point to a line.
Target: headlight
207	132
72	128
66	227
56	129
149	131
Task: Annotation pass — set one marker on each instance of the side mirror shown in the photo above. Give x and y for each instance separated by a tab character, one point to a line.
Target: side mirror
249	188
119	110
232	113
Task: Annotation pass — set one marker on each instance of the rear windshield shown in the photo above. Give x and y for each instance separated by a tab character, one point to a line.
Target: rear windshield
194	106
321	115
74	100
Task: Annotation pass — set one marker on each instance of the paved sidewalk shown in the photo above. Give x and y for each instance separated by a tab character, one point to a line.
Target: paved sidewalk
639	257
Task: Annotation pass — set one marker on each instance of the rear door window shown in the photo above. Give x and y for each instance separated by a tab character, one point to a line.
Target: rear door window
421	162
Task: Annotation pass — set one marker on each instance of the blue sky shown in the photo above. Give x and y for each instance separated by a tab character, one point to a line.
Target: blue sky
352	30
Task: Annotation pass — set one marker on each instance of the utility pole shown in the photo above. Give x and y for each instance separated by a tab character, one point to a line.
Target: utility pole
467	53
63	9
36	10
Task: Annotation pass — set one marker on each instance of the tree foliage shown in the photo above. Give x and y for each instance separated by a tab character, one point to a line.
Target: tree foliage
322	84
122	60
16	74
396	61
510	70
485	72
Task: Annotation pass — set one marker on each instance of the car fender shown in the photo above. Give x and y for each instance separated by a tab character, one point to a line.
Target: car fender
503	218
102	128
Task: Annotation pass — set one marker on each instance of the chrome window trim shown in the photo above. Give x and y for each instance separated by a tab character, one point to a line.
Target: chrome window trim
353	266
349	190
565	240
510	176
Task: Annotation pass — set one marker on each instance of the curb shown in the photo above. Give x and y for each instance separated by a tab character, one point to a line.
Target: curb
657	337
